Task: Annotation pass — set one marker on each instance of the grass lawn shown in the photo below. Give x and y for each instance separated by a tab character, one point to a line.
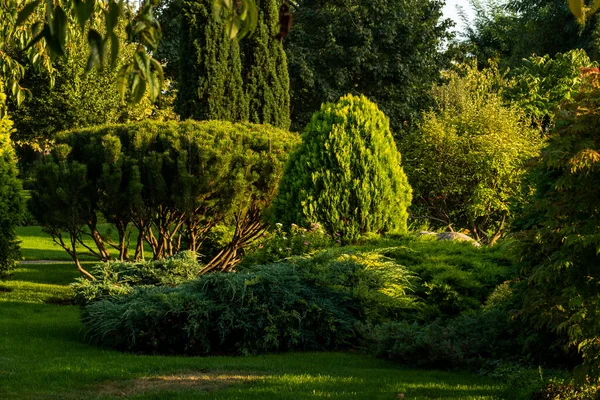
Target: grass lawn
45	356
38	245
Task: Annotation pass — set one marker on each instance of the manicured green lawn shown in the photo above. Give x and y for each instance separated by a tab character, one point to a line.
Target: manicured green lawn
44	355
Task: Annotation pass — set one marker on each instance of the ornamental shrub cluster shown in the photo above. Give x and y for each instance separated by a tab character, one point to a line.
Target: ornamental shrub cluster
11	202
306	303
330	299
172	181
346	174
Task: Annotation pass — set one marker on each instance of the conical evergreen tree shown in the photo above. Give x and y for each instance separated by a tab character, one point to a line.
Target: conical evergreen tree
210	83
266	79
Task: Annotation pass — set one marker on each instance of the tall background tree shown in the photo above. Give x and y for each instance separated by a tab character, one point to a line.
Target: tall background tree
221	78
70	97
388	50
265	74
467	159
512	30
210	78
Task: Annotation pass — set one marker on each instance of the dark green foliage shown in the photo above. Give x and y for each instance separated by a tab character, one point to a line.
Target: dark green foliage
307	303
173	181
120	277
222	79
387	50
559	237
518	29
465	342
265	70
346	174
327	300
269	309
11	201
210	68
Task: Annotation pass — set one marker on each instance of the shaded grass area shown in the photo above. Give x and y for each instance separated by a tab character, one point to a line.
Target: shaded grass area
45	356
38	245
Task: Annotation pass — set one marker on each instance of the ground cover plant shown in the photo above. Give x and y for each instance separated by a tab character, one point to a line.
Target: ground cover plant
339	294
47	357
120	277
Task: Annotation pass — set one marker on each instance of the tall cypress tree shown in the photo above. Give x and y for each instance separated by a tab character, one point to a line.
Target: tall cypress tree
218	81
266	79
210	83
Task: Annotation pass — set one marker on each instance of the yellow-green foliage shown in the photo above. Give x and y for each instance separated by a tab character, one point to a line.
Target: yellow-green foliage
10	194
466	161
346	174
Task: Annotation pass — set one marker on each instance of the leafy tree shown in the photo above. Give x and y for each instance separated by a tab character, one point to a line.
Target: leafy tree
387	50
559	229
466	161
542	84
346	174
69	98
11	202
512	30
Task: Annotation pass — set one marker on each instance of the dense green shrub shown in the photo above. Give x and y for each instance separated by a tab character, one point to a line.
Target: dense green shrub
559	231
173	182
11	202
454	277
120	277
468	341
466	161
346	174
313	302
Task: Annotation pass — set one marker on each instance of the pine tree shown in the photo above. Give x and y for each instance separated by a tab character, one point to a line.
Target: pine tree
266	78
210	84
11	203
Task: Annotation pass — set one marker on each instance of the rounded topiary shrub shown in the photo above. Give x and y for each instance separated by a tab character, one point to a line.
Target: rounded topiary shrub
346	174
11	204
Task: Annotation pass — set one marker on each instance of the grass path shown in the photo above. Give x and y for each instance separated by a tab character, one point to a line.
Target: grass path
43	355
